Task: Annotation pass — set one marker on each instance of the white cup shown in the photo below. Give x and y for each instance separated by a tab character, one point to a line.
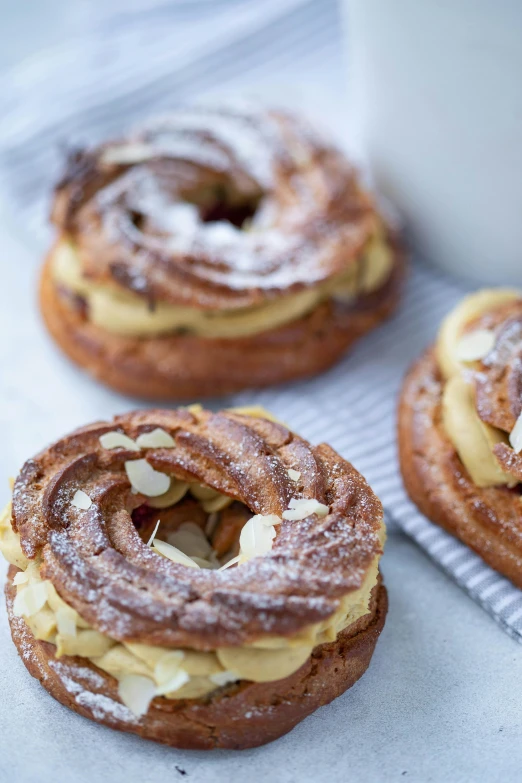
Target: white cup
435	98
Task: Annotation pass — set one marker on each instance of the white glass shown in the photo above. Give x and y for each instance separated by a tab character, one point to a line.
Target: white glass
435	98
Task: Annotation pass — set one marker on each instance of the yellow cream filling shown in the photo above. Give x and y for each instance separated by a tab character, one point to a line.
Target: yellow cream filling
188	673
454	324
121	312
472	438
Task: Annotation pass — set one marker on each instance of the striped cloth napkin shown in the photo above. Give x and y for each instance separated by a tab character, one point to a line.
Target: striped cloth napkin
127	67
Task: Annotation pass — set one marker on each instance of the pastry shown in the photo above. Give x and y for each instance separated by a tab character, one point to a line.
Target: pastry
214	250
460	428
200	579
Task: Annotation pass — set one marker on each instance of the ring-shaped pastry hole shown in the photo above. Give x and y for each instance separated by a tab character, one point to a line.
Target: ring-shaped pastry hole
202	524
216	202
223	202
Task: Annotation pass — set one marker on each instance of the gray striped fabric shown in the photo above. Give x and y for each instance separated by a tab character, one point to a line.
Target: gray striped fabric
97	86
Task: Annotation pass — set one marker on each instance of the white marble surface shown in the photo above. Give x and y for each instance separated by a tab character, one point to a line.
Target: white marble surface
441	701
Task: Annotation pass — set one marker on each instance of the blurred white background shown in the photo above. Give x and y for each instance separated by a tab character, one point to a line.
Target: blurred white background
440	702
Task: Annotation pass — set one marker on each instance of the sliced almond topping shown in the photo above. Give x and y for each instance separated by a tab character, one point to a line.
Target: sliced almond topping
270	519
168	673
157	439
256	538
81	500
145	479
136	692
202	492
256	411
475	345
176	491
168	665
174	684
223	678
300	508
295	475
515	436
66	621
212	521
171	553
118	440
231	562
21	578
191	540
216	504
153	536
30	600
211	500
125	154
211	563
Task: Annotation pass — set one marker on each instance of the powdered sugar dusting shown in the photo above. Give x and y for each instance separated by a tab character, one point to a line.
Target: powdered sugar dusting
103	570
102	707
299	234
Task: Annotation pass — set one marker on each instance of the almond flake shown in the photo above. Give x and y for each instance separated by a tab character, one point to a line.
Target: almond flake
177	490
223	678
157	439
202	492
230	562
118	440
216	504
256	538
515	436
300	508
171	553
202	562
191	540
136	692
212	521
145	479
81	500
475	345
127	154
177	682
168	666
30	600
295	475
210	499
270	519
153	536
21	578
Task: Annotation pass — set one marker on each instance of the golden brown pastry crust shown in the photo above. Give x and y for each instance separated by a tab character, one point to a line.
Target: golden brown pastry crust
489	520
238	716
132	224
129	592
311	223
186	366
100	566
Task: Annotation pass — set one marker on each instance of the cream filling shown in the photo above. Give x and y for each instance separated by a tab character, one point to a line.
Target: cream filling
454	324
472	438
176	674
121	312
